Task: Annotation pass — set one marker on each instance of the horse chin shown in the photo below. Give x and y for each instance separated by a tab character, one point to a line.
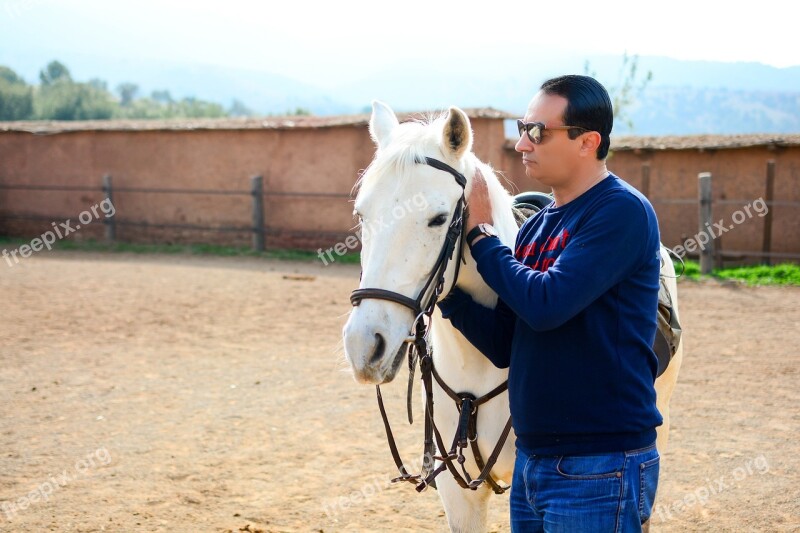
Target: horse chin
396	362
382	373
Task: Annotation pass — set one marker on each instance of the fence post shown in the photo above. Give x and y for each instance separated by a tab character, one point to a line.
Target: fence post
767	246
110	222
707	249
257	190
645	190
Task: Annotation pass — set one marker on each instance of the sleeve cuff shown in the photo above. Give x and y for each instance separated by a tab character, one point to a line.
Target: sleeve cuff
483	246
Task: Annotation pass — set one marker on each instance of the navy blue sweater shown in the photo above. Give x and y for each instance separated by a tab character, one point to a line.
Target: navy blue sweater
574	323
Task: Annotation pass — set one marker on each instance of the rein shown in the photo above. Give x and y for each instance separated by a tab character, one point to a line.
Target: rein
419	349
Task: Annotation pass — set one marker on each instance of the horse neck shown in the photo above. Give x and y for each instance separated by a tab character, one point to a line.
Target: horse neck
455	357
469	279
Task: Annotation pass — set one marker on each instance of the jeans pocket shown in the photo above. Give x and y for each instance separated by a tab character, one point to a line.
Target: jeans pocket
591	466
648	484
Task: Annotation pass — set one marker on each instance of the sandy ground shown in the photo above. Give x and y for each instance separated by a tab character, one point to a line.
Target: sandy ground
155	393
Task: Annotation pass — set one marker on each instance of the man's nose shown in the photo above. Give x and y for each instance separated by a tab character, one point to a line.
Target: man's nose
523	144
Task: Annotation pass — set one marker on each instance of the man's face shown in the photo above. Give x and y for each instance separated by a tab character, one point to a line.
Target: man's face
554	160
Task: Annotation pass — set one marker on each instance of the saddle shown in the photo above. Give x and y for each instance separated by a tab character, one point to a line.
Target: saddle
668	332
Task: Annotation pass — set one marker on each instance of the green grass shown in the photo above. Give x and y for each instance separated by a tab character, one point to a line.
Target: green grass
186	249
692	269
784	274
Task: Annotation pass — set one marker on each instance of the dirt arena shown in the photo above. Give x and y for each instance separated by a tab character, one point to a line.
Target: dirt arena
164	393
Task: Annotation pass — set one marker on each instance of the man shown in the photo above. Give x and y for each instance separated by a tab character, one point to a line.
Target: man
574	323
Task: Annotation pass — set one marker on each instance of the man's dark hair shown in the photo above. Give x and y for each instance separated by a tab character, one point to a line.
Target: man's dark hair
588	106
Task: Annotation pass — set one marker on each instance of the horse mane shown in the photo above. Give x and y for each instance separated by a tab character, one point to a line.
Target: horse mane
410	141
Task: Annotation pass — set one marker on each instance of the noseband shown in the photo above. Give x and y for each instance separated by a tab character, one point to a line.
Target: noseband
420	305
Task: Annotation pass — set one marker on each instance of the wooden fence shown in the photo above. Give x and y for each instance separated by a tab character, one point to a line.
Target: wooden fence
710	249
256	193
711	253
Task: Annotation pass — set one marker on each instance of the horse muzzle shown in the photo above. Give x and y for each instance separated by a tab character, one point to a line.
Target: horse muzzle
374	356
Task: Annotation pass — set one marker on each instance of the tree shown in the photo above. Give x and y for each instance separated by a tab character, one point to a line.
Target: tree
10	76
627	88
73	101
300	112
54	72
16	96
162	97
127	92
59	97
193	108
238	109
100	85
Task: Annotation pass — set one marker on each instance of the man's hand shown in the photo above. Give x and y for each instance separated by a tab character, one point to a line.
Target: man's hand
480	208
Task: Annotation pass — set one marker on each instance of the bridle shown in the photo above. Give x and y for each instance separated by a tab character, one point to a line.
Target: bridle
436	279
419	348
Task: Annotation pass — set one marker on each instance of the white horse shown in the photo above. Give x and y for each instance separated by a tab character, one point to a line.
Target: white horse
399	247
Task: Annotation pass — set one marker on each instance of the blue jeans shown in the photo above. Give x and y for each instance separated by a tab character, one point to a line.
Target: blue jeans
584	493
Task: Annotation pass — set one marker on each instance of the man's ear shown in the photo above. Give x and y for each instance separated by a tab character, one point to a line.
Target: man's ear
590	141
381	124
457	134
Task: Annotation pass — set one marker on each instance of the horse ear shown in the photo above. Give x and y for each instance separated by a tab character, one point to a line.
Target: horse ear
382	122
457	134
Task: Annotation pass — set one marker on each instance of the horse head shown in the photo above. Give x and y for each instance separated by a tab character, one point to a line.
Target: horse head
406	205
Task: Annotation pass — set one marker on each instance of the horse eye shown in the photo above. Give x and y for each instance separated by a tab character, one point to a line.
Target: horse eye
437	221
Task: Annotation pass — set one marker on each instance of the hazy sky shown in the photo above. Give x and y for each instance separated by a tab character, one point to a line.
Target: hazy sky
331	42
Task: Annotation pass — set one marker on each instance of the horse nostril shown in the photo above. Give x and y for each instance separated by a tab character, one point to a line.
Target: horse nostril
380	347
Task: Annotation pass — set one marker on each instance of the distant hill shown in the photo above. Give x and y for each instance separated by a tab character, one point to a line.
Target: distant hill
262	92
684	97
687	110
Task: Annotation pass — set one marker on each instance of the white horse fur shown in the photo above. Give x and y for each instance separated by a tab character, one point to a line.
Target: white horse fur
399	249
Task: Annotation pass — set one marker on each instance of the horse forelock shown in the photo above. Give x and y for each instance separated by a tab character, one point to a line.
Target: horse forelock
411	142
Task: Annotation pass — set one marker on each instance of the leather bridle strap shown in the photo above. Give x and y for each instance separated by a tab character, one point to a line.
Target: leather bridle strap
467	430
419	344
467	404
447	458
436	278
404	475
435	163
478	401
383	294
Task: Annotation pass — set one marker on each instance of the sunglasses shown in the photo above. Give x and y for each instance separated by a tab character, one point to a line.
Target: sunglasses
535	129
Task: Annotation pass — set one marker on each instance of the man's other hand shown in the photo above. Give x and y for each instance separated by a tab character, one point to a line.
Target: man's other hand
480	208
